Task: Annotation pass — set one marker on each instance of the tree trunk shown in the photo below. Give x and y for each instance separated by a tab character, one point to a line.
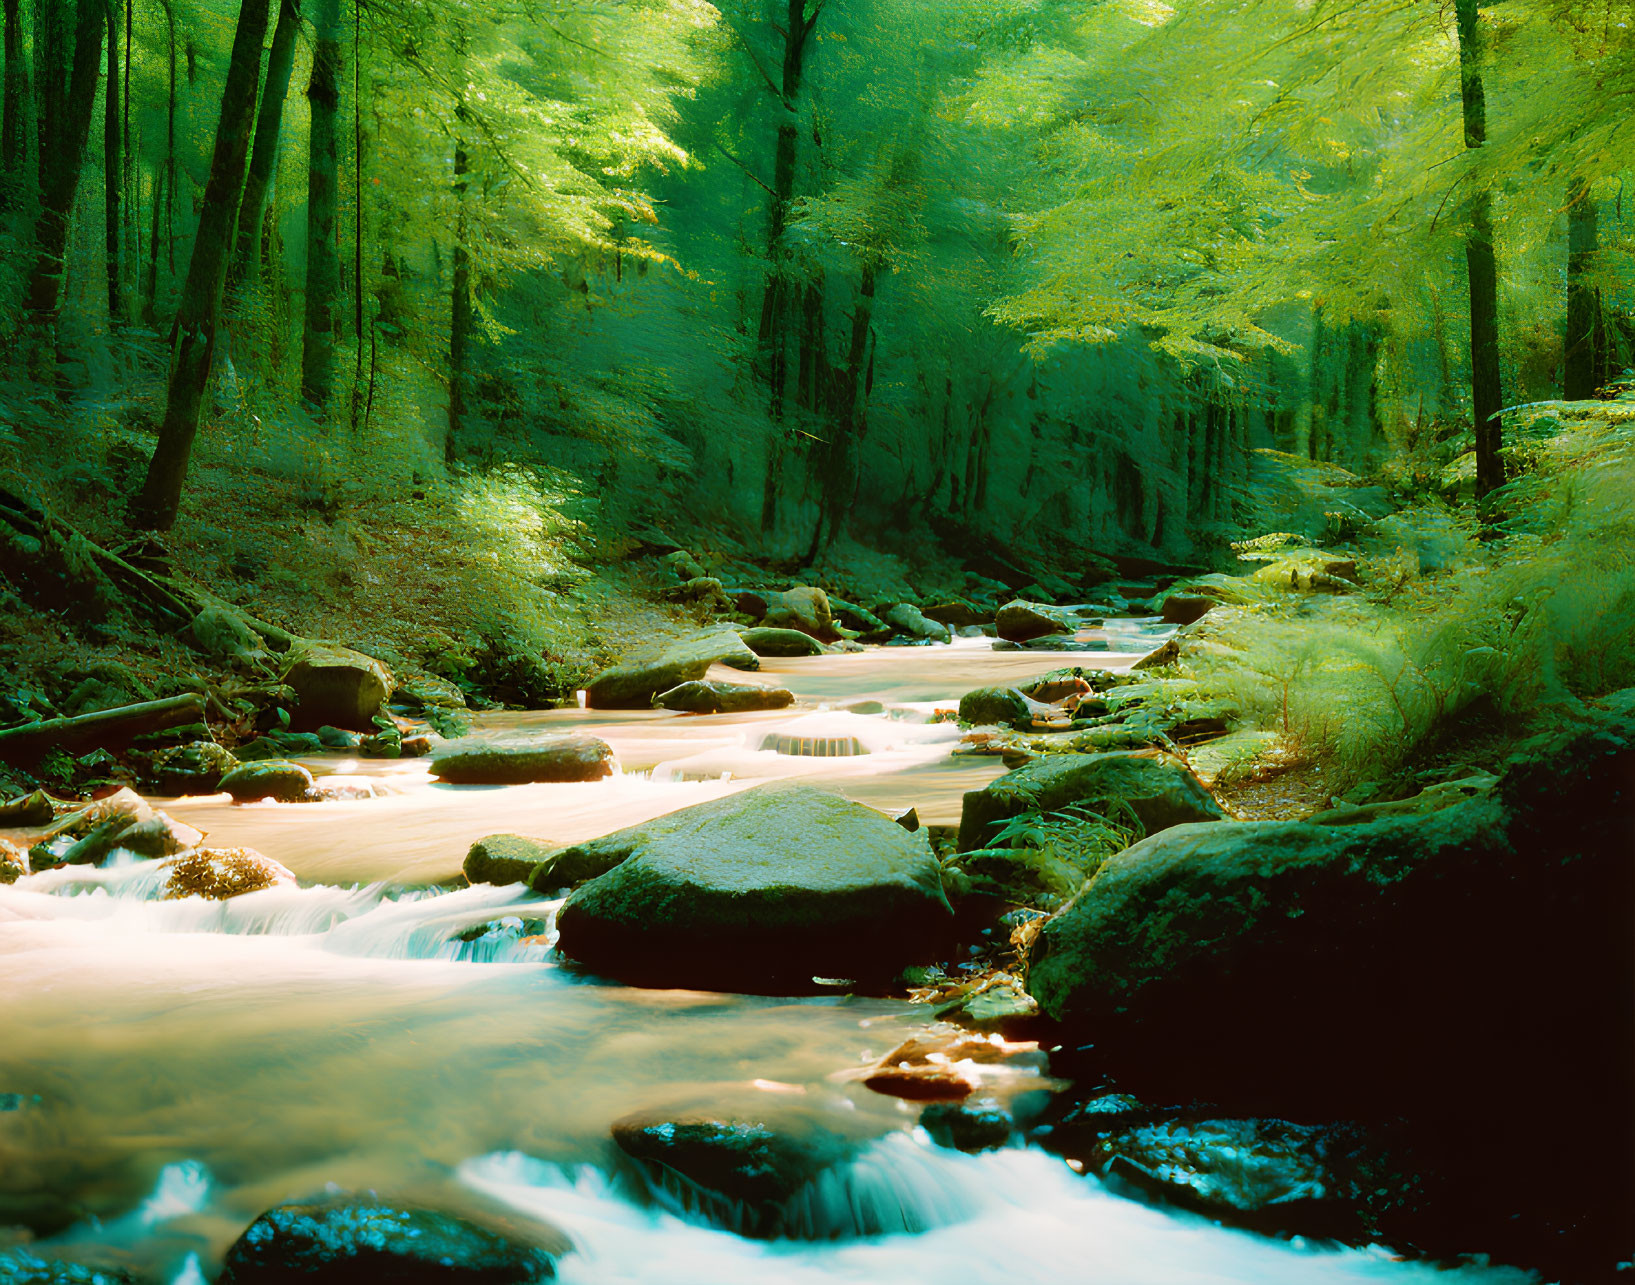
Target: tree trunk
459	337
113	170
68	130
53	63
1585	356
150	281
357	209
846	431
13	135
193	337
264	156
323	257
772	341
1487	397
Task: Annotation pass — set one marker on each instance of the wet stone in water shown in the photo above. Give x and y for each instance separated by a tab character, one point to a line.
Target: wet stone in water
349	1239
220	873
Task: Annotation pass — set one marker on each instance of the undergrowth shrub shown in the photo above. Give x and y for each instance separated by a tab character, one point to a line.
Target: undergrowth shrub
1527	624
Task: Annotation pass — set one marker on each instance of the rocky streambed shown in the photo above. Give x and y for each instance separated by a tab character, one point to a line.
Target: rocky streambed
654	1022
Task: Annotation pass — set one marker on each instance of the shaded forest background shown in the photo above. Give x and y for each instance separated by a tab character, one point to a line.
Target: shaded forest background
463	302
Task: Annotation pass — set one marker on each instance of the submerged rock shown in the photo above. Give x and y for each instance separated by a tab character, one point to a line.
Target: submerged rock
20	1267
704	696
751	1166
220	873
268	779
336	685
758	891
561	758
633	683
1157	792
781	642
505	858
348	1238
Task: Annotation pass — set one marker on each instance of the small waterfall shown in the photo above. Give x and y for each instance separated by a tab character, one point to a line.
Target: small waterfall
481	924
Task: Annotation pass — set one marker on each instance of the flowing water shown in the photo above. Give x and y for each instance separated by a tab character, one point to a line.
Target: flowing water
168	1069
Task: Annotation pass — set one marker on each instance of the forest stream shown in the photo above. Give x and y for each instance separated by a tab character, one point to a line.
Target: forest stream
175	1067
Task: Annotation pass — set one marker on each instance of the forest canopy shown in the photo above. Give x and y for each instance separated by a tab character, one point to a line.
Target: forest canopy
1040	273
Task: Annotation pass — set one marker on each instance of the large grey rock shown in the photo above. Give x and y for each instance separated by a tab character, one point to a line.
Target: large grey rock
760	891
702	696
1157	792
335	685
552	759
633	683
347	1238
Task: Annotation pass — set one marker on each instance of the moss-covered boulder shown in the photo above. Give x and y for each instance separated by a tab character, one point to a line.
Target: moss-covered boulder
27	810
194	768
275	779
505	858
910	621
335	685
805	608
760	891
220	873
1019	621
345	1238
1005	706
703	696
633	683
1394	963
771	642
556	758
1158	793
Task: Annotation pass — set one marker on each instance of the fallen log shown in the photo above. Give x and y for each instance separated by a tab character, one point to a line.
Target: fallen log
103	728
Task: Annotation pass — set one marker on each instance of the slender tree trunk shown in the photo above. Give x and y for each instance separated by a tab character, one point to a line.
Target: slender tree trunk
13	133
53	71
846	431
193	338
264	156
357	205
772	340
150	283
170	139
130	176
459	340
1487	396
1584	364
113	170
60	165
323	258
